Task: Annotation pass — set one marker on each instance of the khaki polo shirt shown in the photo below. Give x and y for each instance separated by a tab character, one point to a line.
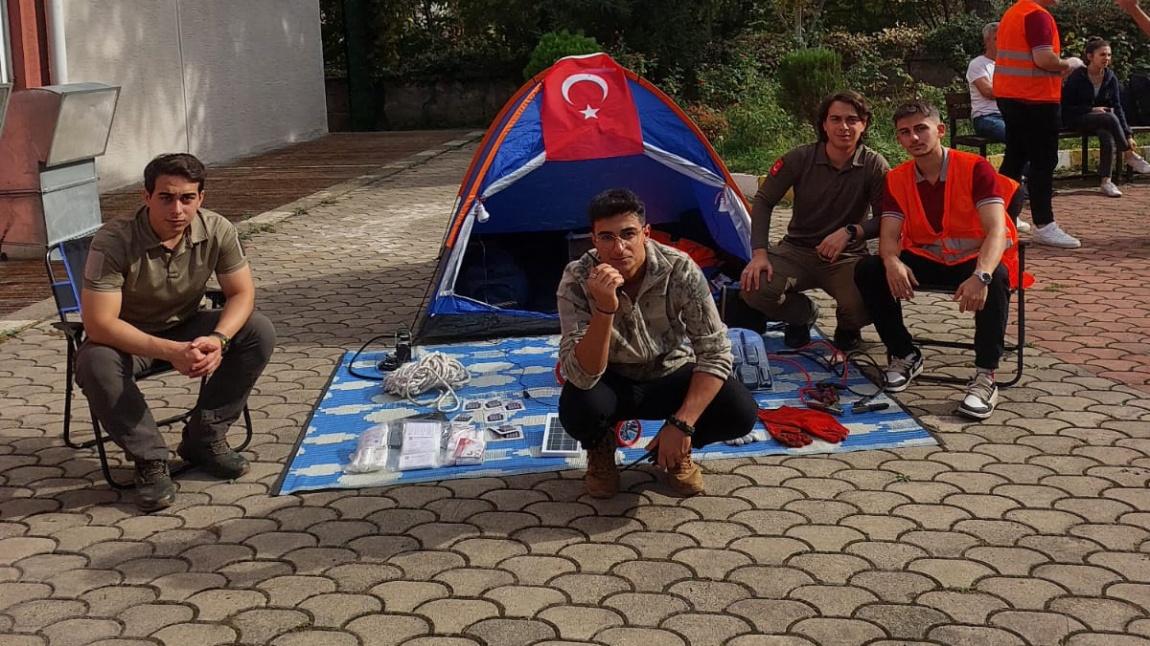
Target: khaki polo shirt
161	288
825	199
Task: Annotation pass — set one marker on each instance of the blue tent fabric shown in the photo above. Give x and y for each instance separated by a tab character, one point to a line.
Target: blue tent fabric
512	188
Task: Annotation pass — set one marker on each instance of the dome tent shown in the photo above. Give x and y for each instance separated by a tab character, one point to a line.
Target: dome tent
583	125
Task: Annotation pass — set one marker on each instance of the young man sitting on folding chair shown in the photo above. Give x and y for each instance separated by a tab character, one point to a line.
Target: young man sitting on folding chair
944	223
143	283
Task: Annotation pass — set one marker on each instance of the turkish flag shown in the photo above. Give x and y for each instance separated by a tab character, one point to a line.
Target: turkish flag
587	110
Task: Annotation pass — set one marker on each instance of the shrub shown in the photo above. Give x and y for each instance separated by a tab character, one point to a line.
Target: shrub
806	76
760	131
712	122
956	41
555	45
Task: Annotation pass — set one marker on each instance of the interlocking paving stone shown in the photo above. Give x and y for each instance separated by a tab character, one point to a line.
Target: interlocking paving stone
316	638
974	636
194	634
833	600
639	637
513	632
903	622
706	630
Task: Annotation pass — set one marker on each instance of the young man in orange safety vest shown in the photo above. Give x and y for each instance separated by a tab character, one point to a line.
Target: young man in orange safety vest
944	223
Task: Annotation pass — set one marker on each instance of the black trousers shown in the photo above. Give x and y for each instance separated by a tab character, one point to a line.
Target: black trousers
588	415
886	311
1032	137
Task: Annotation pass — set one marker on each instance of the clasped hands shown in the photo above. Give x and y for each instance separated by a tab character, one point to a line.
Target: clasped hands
197	358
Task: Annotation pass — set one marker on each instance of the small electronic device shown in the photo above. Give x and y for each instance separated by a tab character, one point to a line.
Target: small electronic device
495	418
493	403
512	407
464	417
506	432
472	405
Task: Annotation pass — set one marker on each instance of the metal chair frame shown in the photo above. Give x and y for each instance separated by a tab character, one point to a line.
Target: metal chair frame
1018	347
66	292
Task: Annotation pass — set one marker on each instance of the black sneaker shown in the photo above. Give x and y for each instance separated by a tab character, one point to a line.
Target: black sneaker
216	458
154	487
847	340
901	370
797	335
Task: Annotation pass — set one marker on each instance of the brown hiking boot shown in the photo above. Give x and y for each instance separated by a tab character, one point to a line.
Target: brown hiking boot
602	477
686	478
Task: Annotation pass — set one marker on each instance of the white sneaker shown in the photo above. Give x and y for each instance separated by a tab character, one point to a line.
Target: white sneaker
981	396
1139	165
900	371
1022	226
1052	235
1109	189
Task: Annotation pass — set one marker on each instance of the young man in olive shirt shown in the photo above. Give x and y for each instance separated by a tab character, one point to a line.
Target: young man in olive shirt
143	283
836	181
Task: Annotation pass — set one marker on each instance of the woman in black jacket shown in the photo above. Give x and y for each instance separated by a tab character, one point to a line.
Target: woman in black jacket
1091	103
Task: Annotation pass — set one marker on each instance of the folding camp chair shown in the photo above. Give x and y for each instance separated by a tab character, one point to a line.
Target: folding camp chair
72	254
1013	209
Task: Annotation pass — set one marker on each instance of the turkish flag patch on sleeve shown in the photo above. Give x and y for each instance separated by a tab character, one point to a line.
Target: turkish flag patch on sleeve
778	166
587	110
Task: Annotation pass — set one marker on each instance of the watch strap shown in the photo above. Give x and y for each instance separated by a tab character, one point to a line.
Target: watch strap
225	340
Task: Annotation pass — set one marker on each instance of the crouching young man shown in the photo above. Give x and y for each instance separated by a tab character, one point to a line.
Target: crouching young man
944	224
143	283
642	339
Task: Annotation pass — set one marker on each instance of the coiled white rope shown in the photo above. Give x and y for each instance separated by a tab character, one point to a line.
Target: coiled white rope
435	370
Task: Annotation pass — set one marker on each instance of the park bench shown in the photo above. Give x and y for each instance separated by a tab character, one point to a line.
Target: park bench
958	110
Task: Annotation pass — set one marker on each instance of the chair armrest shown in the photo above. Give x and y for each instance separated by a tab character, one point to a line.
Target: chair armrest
72	329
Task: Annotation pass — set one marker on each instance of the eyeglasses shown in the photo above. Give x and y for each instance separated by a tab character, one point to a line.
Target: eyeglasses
626	235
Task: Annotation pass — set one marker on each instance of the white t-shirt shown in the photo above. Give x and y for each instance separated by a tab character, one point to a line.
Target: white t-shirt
980	67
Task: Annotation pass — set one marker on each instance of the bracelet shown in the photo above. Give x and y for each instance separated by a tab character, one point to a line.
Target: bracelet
602	311
687	429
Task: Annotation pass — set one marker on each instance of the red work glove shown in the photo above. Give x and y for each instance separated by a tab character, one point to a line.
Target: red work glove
819	424
826	427
785	434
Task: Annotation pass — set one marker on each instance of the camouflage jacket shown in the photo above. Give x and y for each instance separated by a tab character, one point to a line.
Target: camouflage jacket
673	321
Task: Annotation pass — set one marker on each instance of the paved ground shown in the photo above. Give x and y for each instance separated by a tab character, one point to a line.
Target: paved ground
1031	528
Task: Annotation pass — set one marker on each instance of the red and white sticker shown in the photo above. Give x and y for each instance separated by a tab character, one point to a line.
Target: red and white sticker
778	166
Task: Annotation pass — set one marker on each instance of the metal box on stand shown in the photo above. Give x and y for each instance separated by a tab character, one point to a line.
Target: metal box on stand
48	147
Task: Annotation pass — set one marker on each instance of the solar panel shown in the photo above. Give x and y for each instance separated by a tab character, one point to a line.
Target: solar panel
556	441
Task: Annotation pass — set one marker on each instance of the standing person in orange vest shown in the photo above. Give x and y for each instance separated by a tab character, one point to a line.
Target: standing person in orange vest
944	223
1028	85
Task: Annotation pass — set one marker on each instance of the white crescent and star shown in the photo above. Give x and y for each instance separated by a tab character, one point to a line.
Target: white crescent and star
588	112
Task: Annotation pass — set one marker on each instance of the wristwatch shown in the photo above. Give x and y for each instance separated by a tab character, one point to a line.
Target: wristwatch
984	277
852	233
225	340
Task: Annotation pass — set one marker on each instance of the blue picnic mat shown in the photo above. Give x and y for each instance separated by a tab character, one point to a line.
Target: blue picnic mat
505	369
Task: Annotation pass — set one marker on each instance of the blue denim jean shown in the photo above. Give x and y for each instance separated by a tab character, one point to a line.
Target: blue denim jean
991	126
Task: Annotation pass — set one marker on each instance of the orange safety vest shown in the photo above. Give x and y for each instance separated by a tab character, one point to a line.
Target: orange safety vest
962	235
1015	74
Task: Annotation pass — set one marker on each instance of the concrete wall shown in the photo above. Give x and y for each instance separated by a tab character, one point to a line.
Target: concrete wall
218	78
